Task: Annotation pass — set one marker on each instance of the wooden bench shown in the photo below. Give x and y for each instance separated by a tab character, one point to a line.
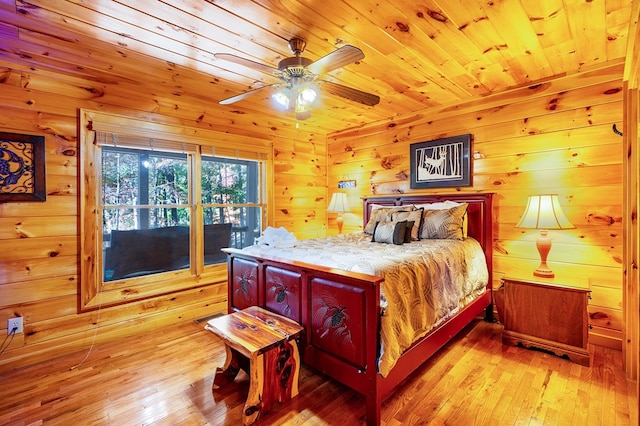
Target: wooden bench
263	345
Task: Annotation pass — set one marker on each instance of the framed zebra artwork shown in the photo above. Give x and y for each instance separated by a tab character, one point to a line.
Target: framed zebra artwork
442	163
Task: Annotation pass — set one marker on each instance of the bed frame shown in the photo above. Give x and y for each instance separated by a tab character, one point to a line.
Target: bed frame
339	310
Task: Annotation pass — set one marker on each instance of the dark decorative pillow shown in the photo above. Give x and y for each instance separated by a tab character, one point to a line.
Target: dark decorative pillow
382	214
415	216
390	232
443	224
407	232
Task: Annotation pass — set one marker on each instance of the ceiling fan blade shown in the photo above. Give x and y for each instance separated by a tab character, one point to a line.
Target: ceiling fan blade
248	63
350	93
338	58
244	95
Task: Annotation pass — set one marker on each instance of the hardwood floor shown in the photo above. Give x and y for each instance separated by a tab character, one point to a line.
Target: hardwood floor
165	378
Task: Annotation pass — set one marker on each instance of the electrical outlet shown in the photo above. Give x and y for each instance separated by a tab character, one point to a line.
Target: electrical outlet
14	323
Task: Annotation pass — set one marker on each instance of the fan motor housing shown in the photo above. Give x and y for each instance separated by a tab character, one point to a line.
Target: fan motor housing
294	63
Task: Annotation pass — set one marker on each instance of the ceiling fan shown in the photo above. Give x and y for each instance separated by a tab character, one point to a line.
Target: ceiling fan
299	78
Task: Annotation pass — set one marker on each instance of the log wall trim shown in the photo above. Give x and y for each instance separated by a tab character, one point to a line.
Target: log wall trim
631	137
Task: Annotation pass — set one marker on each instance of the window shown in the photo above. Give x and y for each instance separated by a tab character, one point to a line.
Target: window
231	194
158	212
145	213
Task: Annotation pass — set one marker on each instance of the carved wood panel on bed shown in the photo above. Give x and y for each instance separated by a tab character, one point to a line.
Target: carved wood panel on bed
340	310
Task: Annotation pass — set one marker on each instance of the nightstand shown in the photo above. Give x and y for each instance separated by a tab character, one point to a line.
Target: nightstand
547	315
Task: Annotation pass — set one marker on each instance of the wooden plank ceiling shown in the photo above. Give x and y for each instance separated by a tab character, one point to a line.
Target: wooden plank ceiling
151	54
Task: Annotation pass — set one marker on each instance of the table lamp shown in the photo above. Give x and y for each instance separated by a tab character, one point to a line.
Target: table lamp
339	204
543	212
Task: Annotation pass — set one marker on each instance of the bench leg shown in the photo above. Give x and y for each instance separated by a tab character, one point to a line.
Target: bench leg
287	370
228	373
274	377
253	406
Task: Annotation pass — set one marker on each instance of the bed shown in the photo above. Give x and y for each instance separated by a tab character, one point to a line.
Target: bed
343	311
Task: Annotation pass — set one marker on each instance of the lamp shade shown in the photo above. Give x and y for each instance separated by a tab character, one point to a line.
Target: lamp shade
339	203
544	212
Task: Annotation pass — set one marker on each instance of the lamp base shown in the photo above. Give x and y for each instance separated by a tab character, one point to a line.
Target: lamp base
544	273
544	246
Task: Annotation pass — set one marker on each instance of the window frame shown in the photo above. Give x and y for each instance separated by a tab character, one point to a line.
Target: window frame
93	291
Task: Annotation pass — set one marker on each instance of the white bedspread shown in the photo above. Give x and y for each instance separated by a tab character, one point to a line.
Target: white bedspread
425	283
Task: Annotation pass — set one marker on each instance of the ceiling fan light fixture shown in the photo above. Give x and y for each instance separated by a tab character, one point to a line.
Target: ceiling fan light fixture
302	114
282	98
307	95
302	111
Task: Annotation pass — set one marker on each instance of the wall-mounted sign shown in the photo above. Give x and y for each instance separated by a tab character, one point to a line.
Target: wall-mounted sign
347	184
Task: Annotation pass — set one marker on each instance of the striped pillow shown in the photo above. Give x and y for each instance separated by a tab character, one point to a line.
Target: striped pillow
382	214
390	232
443	224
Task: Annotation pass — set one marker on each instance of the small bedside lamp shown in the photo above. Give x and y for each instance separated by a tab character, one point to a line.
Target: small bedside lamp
543	212
339	204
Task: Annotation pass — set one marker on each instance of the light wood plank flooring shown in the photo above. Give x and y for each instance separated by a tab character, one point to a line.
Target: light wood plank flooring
165	378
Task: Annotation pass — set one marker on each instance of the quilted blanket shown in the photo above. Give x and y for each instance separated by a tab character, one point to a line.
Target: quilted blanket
425	282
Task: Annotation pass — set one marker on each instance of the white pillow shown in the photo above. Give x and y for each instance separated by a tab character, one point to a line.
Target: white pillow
379	206
441	205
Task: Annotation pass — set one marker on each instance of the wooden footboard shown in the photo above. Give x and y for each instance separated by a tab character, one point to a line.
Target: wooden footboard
340	310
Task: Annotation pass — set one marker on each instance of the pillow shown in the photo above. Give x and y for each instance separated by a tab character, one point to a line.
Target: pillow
407	232
415	216
446	205
382	214
390	232
379	206
440	205
443	224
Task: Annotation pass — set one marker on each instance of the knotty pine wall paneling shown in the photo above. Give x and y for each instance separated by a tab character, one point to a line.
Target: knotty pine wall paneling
555	136
300	186
552	137
39	258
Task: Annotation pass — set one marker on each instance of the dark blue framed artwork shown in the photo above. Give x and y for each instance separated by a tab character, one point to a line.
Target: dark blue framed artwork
441	163
22	167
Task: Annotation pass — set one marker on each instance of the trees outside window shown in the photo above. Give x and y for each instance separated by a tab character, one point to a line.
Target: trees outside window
147	211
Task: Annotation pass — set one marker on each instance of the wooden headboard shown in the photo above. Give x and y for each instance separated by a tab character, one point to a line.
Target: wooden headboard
479	214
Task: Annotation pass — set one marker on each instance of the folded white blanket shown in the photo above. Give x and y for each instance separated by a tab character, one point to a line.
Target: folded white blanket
277	237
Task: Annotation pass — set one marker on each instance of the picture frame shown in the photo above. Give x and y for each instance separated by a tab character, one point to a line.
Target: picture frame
442	163
22	167
342	184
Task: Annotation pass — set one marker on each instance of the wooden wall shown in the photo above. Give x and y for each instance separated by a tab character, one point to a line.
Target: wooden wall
300	186
39	241
632	195
554	137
